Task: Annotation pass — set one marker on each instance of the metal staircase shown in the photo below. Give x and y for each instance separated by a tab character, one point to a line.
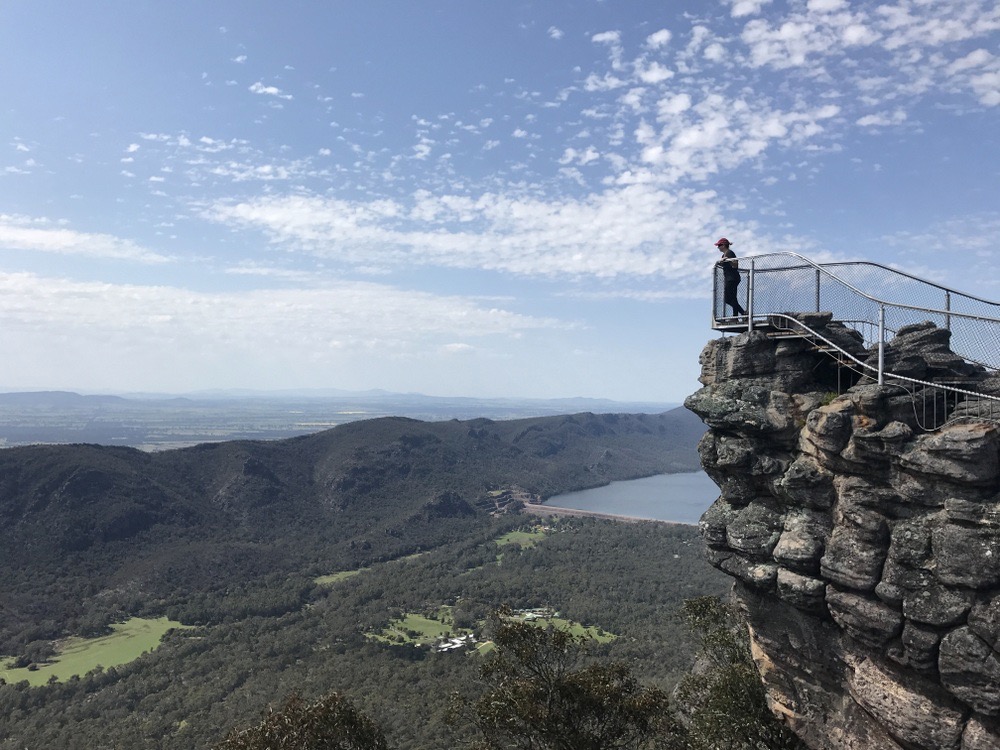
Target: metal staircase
875	301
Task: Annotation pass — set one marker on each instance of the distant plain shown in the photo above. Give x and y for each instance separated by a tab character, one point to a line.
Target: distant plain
159	422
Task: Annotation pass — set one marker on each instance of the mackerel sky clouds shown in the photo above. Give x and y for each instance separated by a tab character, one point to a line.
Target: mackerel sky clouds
464	198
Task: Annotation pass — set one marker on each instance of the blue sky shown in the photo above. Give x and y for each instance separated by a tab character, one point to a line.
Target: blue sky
461	197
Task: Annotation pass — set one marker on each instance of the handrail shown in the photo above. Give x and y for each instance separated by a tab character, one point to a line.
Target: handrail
823	268
760	273
890	269
815	335
782	284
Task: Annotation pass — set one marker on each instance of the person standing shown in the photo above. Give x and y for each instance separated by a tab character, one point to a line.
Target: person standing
731	278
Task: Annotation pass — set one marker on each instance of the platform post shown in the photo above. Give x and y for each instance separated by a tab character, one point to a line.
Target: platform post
881	343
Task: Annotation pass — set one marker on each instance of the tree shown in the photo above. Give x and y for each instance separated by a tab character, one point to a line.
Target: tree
721	703
330	723
542	694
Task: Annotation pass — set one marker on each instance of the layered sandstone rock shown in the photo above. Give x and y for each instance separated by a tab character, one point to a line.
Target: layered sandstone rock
866	551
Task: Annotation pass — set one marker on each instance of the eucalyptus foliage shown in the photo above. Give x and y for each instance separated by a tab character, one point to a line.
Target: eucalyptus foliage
721	704
330	723
544	692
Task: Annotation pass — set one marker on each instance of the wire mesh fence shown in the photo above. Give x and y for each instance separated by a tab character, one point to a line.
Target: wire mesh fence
870	297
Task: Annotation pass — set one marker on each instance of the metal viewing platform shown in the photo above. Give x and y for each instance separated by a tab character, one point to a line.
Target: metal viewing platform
870	298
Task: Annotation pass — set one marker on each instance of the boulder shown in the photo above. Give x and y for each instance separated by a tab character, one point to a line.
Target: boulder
970	670
864	618
911	710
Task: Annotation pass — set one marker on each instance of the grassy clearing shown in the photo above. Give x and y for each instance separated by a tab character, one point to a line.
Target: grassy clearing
420	630
575	628
77	656
413	629
522	539
337	577
332	578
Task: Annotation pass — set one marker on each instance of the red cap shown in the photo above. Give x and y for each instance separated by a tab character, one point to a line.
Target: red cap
723	241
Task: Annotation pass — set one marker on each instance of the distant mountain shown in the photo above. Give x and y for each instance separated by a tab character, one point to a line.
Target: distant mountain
575	403
161	421
89	532
55	399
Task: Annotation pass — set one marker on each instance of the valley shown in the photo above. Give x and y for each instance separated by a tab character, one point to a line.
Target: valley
628	580
298	565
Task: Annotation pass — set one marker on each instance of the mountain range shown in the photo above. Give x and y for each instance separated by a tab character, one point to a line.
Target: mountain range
90	534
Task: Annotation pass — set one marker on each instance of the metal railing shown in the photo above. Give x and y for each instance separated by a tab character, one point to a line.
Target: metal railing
788	282
934	402
776	285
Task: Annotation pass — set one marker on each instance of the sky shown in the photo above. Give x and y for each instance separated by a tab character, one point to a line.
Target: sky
464	197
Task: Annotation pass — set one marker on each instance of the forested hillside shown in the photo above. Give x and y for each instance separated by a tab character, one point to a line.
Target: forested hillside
92	534
628	579
231	538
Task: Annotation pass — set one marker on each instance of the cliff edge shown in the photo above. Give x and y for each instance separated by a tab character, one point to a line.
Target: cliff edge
865	551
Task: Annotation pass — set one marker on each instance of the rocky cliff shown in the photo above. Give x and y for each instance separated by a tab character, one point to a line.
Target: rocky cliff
865	550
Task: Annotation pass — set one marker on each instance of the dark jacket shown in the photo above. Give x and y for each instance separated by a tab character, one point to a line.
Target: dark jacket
730	272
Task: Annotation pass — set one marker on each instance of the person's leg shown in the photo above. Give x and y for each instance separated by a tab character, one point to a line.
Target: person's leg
730	298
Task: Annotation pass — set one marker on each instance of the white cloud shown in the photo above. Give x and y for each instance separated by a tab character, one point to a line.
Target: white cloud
260	88
785	46
573	156
38	235
882	119
659	39
746	7
613	40
607	82
715	52
555	33
979	71
858	35
423	149
936	24
975	59
212	145
240	59
826	6
655	73
987	88
633	230
674	104
161	335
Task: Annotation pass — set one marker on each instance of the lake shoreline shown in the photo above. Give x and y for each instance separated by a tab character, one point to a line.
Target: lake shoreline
677	497
536	509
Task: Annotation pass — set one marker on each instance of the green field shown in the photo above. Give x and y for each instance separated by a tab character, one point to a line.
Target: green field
523	539
575	628
77	656
412	629
343	575
337	577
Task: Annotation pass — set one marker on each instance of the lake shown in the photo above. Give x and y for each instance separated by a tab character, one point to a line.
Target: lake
680	498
